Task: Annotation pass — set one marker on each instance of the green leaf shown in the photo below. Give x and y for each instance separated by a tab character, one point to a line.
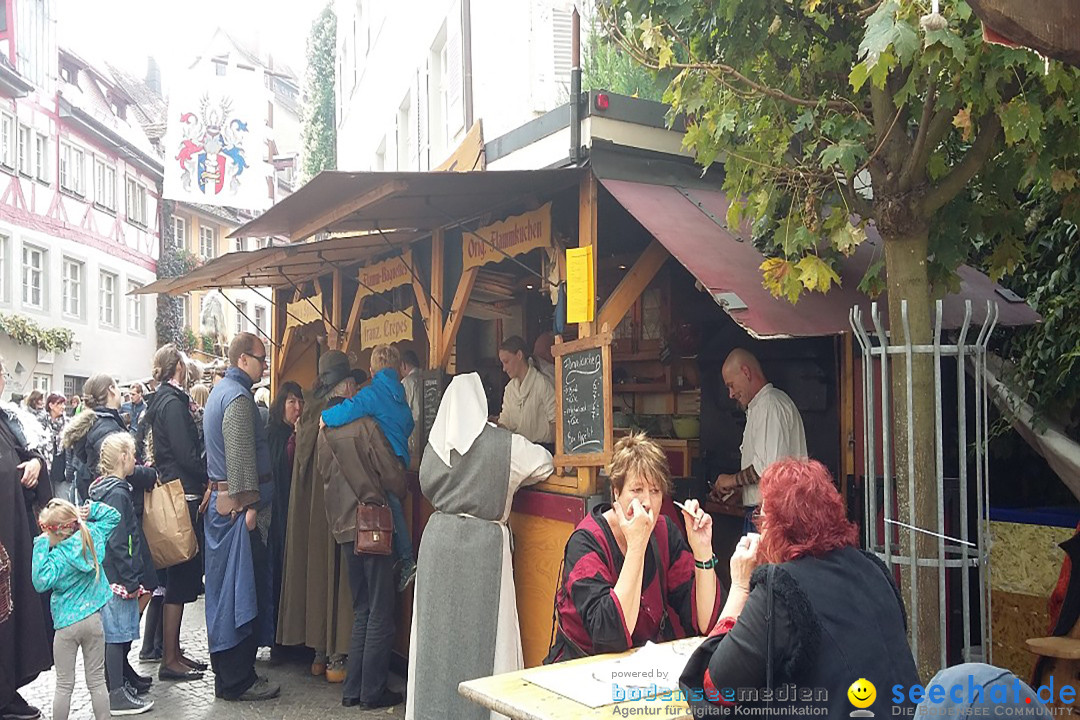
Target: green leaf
847	238
880	72
950	40
1021	120
1007	256
816	274
936	167
734	214
858	76
873	281
880	32
844	153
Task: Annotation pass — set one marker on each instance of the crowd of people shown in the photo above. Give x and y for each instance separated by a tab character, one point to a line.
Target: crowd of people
281	494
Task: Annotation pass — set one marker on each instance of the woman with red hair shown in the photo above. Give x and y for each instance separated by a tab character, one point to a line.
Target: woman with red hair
806	609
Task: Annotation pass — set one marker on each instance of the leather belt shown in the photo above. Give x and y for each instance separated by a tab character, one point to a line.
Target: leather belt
222	486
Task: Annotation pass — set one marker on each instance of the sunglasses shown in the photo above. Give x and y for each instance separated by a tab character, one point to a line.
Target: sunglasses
260	358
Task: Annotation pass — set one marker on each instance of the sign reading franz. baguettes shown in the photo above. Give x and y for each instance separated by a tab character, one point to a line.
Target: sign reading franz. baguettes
513	236
386	275
386	329
304	311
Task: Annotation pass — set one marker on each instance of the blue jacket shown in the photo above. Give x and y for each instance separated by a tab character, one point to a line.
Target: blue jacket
78	583
384	400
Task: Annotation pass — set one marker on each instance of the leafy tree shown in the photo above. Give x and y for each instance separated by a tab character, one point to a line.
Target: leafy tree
320	129
828	116
607	66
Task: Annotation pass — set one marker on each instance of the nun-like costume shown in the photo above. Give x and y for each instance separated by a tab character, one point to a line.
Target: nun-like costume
465	621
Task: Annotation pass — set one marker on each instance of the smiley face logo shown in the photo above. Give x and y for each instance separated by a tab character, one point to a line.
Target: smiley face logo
862	693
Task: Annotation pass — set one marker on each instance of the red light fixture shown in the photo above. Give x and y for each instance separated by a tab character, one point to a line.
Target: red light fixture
603	101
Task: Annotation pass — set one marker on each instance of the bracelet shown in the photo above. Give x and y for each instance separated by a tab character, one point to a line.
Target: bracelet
707	565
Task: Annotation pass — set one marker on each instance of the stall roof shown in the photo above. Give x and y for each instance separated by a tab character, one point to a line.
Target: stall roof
690	223
279	266
363	201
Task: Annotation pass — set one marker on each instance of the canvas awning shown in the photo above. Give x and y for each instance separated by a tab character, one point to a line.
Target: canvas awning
690	223
281	266
339	202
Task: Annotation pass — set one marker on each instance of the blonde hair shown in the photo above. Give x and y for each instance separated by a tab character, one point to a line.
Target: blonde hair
638	455
60	519
112	449
384	356
199	394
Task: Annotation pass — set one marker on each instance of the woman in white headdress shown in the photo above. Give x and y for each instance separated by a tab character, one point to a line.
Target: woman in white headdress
465	621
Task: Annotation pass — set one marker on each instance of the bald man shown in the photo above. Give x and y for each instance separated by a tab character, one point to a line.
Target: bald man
774	428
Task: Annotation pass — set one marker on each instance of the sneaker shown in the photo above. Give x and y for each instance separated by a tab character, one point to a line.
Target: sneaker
408	574
389	698
121	702
263	689
136	689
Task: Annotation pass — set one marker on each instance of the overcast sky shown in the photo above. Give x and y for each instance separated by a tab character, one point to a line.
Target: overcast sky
126	32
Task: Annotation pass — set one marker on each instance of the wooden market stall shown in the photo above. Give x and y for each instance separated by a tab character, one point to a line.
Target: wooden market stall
633	248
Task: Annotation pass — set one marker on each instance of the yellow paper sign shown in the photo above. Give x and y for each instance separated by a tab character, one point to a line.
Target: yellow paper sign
513	236
385	275
302	312
580	285
386	329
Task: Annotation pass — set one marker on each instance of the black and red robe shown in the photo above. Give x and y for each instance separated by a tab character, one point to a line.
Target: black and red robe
590	620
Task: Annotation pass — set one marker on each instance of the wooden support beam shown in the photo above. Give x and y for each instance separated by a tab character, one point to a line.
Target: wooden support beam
587	232
457	314
343	211
285	344
354	320
435	326
422	301
335	310
632	285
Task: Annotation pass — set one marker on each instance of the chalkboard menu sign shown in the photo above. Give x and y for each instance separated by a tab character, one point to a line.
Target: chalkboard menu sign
583	401
432	385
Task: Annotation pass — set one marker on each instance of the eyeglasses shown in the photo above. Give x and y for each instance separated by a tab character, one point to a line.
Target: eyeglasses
260	358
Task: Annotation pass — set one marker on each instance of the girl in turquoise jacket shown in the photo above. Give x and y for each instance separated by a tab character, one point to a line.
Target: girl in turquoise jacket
67	561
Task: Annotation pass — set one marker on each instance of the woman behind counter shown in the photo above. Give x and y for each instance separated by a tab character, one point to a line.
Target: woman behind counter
837	616
629	576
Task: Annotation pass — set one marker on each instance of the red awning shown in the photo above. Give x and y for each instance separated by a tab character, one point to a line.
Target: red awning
690	223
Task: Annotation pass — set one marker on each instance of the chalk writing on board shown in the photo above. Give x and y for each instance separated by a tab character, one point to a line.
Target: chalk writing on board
583	402
432	396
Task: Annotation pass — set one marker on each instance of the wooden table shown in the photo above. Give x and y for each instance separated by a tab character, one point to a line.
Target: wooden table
514	696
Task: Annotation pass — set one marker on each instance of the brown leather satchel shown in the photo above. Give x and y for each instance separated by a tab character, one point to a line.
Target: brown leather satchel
374	529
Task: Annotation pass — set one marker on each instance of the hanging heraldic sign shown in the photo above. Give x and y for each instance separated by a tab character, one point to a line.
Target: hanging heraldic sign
583	431
513	236
386	275
215	142
386	329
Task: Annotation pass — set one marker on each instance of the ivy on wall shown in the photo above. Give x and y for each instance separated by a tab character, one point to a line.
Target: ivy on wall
174	262
25	331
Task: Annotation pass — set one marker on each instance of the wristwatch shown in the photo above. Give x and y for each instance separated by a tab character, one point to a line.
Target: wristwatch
708	564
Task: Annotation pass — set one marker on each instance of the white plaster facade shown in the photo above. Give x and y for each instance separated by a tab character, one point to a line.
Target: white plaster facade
401	66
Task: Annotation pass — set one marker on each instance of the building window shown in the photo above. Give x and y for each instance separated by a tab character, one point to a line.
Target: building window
41	153
26	150
260	318
33	284
107	299
104	185
73	384
179	225
241	311
219	68
207	240
269	114
42	382
135	308
7	141
239	244
404	135
73	287
136	202
185	320
72	169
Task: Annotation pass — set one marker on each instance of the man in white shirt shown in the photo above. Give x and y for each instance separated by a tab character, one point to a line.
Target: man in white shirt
410	380
528	406
774	427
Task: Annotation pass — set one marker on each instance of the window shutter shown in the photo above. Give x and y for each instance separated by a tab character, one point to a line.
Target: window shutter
562	39
452	76
423	117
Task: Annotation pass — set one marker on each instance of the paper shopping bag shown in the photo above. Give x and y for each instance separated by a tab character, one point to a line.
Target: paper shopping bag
167	525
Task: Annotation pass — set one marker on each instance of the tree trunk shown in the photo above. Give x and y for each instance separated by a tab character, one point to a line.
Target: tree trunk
914	438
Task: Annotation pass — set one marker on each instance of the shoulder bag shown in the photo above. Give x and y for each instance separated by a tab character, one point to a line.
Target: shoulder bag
374	529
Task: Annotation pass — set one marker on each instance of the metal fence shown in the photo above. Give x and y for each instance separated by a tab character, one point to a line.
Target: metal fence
962	557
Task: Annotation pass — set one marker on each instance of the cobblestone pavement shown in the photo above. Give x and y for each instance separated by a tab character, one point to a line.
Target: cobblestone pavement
303	697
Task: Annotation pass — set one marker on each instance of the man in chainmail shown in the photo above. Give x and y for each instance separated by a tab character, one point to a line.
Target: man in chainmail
239	616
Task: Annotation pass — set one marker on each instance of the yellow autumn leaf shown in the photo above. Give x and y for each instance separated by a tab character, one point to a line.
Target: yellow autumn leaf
847	238
1062	180
962	122
781	279
815	274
